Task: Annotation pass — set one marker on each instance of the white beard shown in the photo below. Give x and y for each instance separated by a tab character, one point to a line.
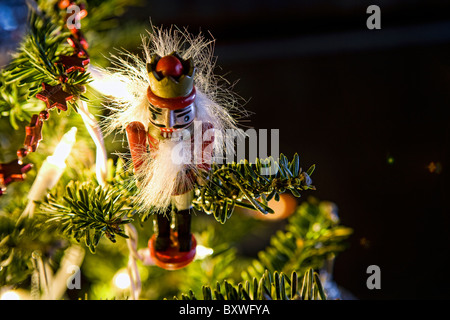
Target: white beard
162	172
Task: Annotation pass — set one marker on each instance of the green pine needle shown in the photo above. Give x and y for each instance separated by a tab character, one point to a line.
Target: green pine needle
270	286
88	212
36	62
312	235
246	185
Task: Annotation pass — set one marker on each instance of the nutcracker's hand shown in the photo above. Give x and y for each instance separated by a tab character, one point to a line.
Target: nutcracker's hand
137	141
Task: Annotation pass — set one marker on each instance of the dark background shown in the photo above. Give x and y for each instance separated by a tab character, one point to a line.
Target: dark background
368	107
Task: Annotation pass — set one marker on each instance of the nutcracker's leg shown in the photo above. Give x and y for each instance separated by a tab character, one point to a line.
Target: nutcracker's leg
162	230
183	218
183	203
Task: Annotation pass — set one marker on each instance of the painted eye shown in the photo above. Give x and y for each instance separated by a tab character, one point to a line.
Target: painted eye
186	119
153	116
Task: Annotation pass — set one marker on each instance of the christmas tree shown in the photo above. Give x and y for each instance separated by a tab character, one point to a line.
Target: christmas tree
74	223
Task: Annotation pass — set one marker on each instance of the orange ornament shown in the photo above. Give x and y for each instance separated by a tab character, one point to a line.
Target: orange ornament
283	208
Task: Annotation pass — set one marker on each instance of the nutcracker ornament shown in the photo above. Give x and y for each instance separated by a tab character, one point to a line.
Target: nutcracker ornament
175	117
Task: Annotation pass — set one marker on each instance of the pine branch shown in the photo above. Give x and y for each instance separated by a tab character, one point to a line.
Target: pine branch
88	212
19	241
270	286
84	210
121	177
242	184
36	62
312	235
222	264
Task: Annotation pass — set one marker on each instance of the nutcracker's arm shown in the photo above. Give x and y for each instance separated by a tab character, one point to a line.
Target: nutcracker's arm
137	141
207	152
207	146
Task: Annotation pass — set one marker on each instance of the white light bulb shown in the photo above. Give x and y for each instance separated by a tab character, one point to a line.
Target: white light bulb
202	252
53	167
63	149
122	280
10	295
109	84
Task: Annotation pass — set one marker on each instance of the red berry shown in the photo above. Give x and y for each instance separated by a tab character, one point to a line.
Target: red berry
169	66
63	4
44	115
22	153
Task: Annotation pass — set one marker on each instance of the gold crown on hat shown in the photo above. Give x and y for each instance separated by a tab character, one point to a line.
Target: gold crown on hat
169	86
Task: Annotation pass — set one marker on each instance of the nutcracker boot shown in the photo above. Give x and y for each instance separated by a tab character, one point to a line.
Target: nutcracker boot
173	249
183	218
162	231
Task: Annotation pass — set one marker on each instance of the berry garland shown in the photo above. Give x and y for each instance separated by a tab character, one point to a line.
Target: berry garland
53	96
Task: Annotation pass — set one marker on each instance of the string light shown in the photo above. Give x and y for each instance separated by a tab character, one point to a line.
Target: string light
63	149
109	85
390	160
12	295
53	167
122	280
95	132
202	252
435	167
51	170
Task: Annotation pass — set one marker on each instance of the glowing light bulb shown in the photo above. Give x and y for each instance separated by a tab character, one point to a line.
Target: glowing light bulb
122	280
10	295
63	149
53	167
203	252
109	84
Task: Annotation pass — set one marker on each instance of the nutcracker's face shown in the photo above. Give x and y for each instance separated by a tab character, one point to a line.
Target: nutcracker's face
170	121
